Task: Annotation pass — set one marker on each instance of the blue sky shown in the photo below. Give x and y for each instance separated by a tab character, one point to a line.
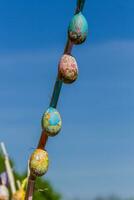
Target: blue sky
93	154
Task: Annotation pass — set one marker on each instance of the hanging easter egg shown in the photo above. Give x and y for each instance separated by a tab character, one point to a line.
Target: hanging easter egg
19	195
4	193
78	29
39	162
51	122
68	70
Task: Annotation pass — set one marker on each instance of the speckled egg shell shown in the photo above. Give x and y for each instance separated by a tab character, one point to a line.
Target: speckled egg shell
4	194
39	162
78	29
68	70
51	122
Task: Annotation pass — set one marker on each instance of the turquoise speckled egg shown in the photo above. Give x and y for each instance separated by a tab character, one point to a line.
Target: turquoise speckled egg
68	70
51	122
78	29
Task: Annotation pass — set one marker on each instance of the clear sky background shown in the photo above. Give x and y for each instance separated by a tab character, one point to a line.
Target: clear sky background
94	153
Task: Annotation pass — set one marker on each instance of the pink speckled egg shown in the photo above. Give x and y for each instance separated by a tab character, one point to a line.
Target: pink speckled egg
68	69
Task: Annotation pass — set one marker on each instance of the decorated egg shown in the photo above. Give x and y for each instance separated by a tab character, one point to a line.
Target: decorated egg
39	162
68	70
4	193
51	122
19	195
78	29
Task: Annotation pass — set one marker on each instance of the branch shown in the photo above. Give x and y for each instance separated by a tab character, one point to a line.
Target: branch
53	103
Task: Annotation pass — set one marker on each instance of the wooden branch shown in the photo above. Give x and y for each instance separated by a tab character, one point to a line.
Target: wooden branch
53	103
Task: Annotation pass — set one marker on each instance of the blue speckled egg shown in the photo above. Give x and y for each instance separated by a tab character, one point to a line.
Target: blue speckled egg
78	29
51	122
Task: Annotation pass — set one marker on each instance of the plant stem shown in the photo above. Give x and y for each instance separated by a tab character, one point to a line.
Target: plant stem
30	187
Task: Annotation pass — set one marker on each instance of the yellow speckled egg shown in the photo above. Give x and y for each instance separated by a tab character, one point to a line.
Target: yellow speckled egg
39	162
68	69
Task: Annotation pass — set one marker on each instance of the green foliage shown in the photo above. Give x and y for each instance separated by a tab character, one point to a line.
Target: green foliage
43	188
2	166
